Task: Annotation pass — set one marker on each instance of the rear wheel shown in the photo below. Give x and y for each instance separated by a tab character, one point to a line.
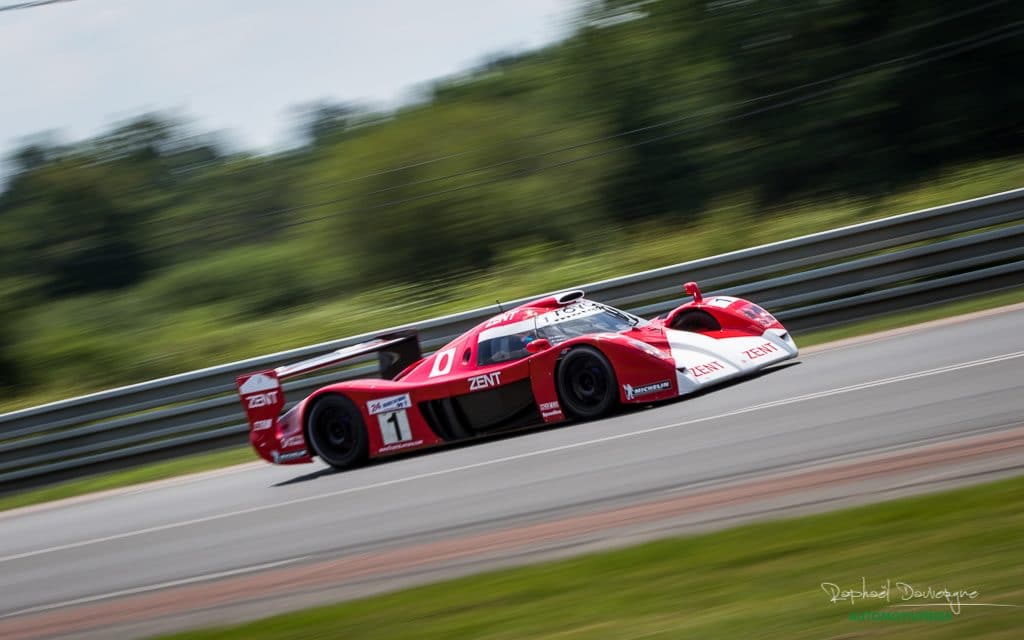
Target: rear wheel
337	432
586	383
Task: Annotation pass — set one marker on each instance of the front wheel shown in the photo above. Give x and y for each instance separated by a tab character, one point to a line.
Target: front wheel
586	383
337	432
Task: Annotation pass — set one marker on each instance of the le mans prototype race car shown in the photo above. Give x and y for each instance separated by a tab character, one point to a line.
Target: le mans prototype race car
554	359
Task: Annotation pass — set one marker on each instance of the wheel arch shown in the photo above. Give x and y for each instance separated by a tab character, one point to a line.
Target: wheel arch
309	406
586	344
306	408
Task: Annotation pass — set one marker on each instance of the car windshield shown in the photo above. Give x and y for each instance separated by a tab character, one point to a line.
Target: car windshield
595	319
507	343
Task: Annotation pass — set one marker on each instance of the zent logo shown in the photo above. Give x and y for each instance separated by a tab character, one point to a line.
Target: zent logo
484	381
763	350
258	400
707	368
500	318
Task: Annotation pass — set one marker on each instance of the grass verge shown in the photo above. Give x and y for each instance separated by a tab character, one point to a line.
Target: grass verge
757	581
218	459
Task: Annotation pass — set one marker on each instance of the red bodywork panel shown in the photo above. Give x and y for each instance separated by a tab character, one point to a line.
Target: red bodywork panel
444	383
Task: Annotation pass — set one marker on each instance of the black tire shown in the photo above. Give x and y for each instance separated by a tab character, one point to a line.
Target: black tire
336	431
695	320
586	383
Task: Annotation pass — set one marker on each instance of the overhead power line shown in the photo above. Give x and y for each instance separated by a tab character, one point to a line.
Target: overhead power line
31	5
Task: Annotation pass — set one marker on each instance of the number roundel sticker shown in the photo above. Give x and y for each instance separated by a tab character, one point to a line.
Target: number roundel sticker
443	361
394	427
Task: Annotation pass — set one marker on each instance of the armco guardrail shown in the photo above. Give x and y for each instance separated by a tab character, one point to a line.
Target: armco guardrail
812	281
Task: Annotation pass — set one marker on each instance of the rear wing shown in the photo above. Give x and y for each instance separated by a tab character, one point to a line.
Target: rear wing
263	398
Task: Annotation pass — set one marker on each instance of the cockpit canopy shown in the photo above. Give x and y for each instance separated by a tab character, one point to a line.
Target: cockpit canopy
507	342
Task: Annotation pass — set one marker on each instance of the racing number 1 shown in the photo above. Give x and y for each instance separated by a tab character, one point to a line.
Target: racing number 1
394	426
393	421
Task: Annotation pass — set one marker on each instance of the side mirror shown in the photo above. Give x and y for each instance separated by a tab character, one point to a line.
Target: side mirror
692	289
538	345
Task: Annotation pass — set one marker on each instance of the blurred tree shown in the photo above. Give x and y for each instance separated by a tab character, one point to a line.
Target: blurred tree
146	138
158	148
324	122
71	230
9	299
439	219
626	67
858	118
229	204
35	151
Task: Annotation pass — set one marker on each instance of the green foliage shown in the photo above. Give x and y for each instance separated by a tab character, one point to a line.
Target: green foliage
496	194
655	132
10	371
72	230
253	280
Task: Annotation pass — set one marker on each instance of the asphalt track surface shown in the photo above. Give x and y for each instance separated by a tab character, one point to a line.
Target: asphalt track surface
893	393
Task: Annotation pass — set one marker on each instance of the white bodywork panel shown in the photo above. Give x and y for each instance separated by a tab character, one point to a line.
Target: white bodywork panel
702	361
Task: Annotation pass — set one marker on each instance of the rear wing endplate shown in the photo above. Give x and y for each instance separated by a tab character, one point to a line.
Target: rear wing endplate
263	398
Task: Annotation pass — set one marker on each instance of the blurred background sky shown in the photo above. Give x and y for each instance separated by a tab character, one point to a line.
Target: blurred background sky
77	67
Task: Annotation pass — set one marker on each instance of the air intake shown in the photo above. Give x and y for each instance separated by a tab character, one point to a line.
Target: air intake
568	296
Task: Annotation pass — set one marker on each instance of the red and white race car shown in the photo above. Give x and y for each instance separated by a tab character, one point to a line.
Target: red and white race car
550	360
